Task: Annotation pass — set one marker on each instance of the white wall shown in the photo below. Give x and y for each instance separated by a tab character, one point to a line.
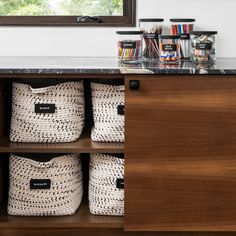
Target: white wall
48	41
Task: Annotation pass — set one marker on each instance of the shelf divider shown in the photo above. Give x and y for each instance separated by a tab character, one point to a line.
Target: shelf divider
81	219
83	145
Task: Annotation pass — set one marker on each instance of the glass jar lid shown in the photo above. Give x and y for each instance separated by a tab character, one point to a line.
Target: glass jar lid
203	32
182	20
129	32
151	20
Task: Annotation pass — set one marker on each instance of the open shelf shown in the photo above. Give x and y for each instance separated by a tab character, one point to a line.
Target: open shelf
83	145
81	219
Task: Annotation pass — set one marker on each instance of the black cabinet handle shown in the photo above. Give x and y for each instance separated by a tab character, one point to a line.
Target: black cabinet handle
134	84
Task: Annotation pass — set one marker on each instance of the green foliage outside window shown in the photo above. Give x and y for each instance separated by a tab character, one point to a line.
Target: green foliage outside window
60	7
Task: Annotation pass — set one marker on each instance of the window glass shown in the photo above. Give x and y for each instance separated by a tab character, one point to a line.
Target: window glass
61	7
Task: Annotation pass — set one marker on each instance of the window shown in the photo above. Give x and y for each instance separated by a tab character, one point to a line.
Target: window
66	12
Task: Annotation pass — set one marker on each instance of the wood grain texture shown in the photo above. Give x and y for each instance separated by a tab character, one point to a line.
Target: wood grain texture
82	145
82	219
99	232
181	154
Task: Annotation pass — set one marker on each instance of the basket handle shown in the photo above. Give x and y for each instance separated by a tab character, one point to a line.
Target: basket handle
41	164
41	90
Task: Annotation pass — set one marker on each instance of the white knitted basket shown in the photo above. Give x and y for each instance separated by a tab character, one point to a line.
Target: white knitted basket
108	124
28	178
64	124
106	173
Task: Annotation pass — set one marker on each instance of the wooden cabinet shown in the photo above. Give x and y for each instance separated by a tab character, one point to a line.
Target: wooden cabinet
180	153
180	160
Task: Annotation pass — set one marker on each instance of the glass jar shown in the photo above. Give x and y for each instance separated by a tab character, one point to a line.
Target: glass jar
169	48
203	46
130	46
151	28
183	27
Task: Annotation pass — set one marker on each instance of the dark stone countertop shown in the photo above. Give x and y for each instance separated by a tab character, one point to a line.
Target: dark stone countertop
106	65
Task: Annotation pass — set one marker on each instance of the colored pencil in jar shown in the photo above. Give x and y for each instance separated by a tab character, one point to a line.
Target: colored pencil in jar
152	29
183	27
129	50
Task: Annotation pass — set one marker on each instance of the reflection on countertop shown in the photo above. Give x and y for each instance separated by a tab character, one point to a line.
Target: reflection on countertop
108	65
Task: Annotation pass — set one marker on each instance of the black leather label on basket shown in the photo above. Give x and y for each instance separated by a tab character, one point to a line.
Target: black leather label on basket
203	46
121	110
45	108
128	45
169	47
120	183
185	36
40	184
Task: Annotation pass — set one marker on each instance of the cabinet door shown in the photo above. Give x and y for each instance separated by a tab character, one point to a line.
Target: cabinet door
180	153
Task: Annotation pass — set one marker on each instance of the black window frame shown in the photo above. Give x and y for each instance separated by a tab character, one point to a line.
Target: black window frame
127	20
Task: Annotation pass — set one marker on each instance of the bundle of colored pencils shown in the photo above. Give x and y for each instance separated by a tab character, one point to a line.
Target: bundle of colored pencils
183	30
130	50
177	29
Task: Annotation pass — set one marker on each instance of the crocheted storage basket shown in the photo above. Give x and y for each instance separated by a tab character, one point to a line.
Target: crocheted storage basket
45	188
106	185
47	114
108	112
